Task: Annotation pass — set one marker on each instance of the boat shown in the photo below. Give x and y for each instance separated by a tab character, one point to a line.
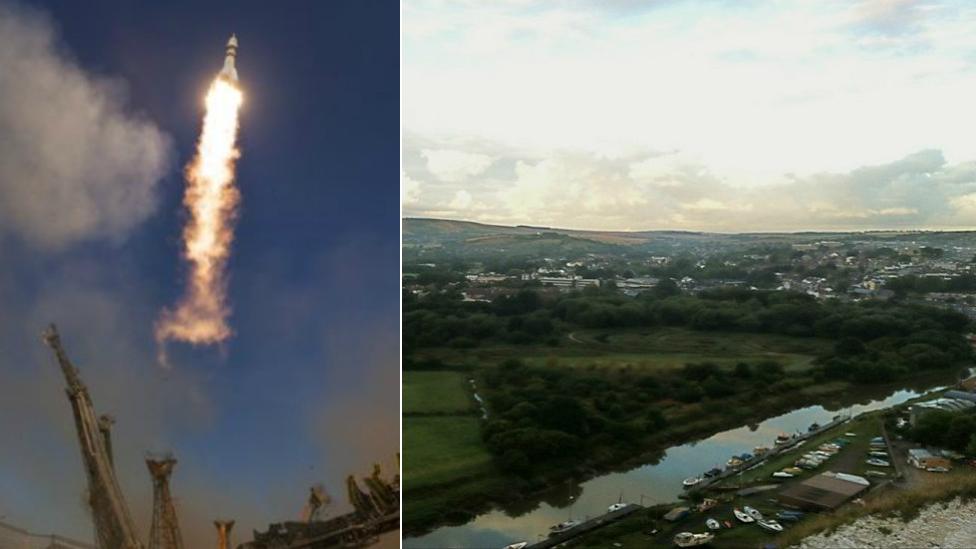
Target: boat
733	461
813	427
691	481
788	517
713	472
616	507
883	455
707	504
517	545
782	474
878	462
793	470
712	524
783	438
745	457
752	512
770	524
742	516
874	473
727	523
563	526
760	450
687	539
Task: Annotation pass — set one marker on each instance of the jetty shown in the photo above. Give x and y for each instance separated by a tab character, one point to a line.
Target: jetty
586	527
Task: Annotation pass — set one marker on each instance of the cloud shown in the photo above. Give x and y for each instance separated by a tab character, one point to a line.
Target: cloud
74	163
654	190
453	166
462	200
409	190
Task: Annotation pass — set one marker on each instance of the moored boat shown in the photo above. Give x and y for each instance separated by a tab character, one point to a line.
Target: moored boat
687	539
878	462
563	526
712	524
770	524
782	474
707	504
517	545
616	507
691	481
743	517
752	512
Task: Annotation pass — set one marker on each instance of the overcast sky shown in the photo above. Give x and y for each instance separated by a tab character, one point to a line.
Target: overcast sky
705	115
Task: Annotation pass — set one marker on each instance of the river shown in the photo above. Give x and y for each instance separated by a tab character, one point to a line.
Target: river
649	484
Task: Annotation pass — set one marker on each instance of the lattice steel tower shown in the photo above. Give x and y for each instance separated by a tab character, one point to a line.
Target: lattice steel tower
165	530
113	525
223	533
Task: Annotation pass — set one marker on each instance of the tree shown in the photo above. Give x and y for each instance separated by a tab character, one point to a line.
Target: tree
665	287
515	461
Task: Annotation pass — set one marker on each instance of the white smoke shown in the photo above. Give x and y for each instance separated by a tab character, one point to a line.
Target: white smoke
74	164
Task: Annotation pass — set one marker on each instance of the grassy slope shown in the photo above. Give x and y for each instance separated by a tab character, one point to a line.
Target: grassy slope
447	466
435	393
664	348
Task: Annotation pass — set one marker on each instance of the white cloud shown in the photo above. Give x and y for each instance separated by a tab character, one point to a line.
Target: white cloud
453	166
462	200
74	164
410	190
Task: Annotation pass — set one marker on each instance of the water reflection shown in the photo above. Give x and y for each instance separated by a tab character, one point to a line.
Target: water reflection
652	483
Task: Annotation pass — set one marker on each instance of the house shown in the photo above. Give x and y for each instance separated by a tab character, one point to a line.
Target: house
920	458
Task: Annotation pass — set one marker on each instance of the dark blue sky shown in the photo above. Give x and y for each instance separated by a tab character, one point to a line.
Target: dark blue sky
306	390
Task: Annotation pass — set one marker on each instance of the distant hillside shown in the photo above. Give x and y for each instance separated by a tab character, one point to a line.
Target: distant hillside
474	237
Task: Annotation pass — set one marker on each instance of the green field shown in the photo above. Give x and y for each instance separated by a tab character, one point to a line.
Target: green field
436	393
439	450
663	348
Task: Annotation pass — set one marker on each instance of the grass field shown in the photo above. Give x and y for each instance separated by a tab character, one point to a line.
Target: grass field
439	450
662	348
436	393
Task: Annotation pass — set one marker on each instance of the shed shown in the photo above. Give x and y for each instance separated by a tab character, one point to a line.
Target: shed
825	491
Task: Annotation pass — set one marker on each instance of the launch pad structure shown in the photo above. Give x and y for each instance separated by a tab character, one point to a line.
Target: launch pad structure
377	508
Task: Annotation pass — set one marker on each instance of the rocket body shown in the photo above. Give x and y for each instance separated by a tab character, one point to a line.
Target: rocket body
230	71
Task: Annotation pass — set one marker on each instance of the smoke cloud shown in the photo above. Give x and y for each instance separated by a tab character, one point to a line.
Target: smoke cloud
75	164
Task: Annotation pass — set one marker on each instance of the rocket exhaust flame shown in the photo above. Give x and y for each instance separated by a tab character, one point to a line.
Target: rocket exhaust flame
211	200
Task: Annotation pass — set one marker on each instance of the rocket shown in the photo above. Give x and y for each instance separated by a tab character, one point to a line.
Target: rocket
230	71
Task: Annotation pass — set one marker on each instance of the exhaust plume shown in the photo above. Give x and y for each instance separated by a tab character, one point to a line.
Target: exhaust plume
211	200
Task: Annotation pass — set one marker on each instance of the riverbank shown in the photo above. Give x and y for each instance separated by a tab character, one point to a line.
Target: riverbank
518	497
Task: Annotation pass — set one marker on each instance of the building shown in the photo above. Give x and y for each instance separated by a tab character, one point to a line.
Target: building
568	282
824	492
916	411
964	395
920	458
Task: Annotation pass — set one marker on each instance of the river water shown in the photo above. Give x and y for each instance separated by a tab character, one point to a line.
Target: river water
649	484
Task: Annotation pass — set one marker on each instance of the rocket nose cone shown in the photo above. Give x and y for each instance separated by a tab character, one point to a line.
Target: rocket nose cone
232	41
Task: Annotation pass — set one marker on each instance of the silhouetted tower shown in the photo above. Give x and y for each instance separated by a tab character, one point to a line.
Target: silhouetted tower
165	530
223	533
113	524
317	504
